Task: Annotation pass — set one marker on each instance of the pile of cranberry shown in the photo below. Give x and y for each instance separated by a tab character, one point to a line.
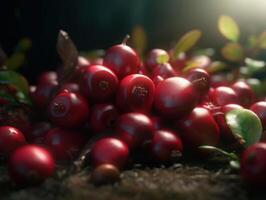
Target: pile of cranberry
119	106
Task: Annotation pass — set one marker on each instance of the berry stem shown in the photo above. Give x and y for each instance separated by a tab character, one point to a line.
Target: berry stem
126	38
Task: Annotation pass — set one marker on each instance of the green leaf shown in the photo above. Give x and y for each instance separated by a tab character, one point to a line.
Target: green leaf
215	151
233	52
139	39
216	66
252	41
186	42
23	45
254	66
245	125
15	79
15	61
162	59
262	40
228	28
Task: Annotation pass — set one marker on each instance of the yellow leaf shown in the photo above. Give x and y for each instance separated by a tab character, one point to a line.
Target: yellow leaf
233	52
228	28
139	39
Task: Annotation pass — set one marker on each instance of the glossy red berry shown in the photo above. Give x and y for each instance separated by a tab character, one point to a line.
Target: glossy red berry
68	109
103	117
175	97
109	151
180	62
165	146
228	107
164	70
99	83
135	93
200	80
199	128
157	79
151	60
64	144
134	129
122	60
105	174
244	93
253	164
47	77
260	109
223	95
10	139
30	164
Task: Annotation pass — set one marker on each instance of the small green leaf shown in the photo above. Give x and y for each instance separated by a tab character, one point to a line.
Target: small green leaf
215	151
9	77
233	52
262	40
228	28
139	39
186	42
254	66
15	61
245	125
162	59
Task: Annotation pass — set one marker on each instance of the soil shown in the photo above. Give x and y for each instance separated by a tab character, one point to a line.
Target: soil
179	181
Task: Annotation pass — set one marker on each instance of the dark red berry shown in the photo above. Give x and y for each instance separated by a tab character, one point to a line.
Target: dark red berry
68	109
103	117
47	77
253	164
175	97
157	122
30	164
260	109
164	70
99	83
135	93
10	139
228	107
105	174
199	128
244	93
180	62
70	87
157	79
38	132
223	95
109	151
134	129
64	144
165	146
154	54
122	60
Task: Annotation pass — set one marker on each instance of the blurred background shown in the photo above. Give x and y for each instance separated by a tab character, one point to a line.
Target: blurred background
102	23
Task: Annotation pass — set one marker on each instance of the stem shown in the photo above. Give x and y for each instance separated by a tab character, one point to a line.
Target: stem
126	38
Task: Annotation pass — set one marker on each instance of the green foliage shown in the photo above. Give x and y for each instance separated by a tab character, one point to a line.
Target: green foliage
228	28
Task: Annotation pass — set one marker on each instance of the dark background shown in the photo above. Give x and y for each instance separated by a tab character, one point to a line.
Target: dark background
101	23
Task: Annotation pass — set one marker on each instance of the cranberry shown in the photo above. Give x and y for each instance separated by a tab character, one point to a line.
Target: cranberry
122	60
70	87
165	146
38	132
218	80
68	109
134	129
135	93
10	139
199	128
64	144
228	107
157	79
30	164
151	61
109	151
180	62
47	77
253	164
260	109
98	83
175	97
105	174
200	80
43	94
244	93
103	116
223	95
97	61
164	70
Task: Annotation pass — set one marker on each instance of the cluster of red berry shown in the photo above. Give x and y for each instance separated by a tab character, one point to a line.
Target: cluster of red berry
130	106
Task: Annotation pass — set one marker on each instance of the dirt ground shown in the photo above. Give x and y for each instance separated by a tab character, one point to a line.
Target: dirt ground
179	181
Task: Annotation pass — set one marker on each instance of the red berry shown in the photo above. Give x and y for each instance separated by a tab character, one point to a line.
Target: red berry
105	174
10	139
260	109
103	116
151	61
122	60
165	146
253	164
38	132
70	87
223	95
200	80
68	109
228	107
164	70
30	164
199	128
175	97
180	62
157	79
99	83
109	151
135	93
47	77
244	93
157	122
134	129
64	144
